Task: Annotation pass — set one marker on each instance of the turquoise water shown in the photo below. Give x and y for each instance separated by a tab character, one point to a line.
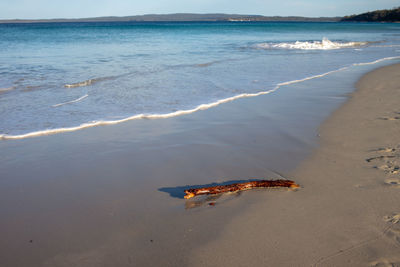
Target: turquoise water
58	77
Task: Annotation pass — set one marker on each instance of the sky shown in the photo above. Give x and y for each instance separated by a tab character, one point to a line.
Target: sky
47	9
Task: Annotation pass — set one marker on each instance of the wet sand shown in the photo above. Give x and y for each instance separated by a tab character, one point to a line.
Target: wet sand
348	211
112	195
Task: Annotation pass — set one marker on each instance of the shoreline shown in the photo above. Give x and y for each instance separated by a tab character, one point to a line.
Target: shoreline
106	195
347	212
205	106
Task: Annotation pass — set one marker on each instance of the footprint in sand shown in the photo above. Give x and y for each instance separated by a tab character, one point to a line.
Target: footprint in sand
387	160
390	168
385	263
390	118
396	117
379	158
393	231
395	182
394	235
393	219
384	150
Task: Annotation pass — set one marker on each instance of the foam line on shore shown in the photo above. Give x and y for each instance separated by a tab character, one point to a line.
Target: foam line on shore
70	102
180	112
376	61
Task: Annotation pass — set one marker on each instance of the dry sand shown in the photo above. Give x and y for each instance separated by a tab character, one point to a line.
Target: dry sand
348	211
109	196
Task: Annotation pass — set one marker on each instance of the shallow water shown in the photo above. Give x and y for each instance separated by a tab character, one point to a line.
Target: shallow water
68	76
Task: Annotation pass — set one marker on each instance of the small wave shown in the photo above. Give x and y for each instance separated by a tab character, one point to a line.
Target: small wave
93	81
202	65
30	88
2	90
90	81
207	64
325	44
72	101
385	46
80	84
181	112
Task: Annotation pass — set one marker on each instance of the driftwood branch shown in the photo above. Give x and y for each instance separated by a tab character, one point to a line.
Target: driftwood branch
239	187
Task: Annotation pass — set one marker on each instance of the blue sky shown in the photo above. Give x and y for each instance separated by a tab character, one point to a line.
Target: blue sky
35	9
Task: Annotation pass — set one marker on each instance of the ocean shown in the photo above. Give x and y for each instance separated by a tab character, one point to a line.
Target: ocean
58	77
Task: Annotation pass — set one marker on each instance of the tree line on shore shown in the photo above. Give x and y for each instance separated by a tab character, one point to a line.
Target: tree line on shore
385	15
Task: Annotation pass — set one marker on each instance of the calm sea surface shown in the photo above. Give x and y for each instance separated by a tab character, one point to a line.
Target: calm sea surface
74	75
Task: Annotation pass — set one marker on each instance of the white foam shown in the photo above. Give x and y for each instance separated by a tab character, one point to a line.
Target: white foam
72	101
325	44
180	112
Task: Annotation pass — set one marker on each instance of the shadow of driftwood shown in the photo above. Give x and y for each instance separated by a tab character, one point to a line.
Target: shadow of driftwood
211	200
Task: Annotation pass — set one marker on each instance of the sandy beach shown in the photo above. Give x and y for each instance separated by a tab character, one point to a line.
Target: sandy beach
348	211
112	195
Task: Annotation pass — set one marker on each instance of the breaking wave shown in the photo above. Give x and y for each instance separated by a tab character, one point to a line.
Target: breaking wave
325	44
181	112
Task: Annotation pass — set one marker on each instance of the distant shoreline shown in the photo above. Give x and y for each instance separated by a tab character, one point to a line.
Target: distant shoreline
184	17
385	15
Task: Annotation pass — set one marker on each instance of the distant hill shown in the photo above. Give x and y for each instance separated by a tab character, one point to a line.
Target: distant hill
386	15
179	17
